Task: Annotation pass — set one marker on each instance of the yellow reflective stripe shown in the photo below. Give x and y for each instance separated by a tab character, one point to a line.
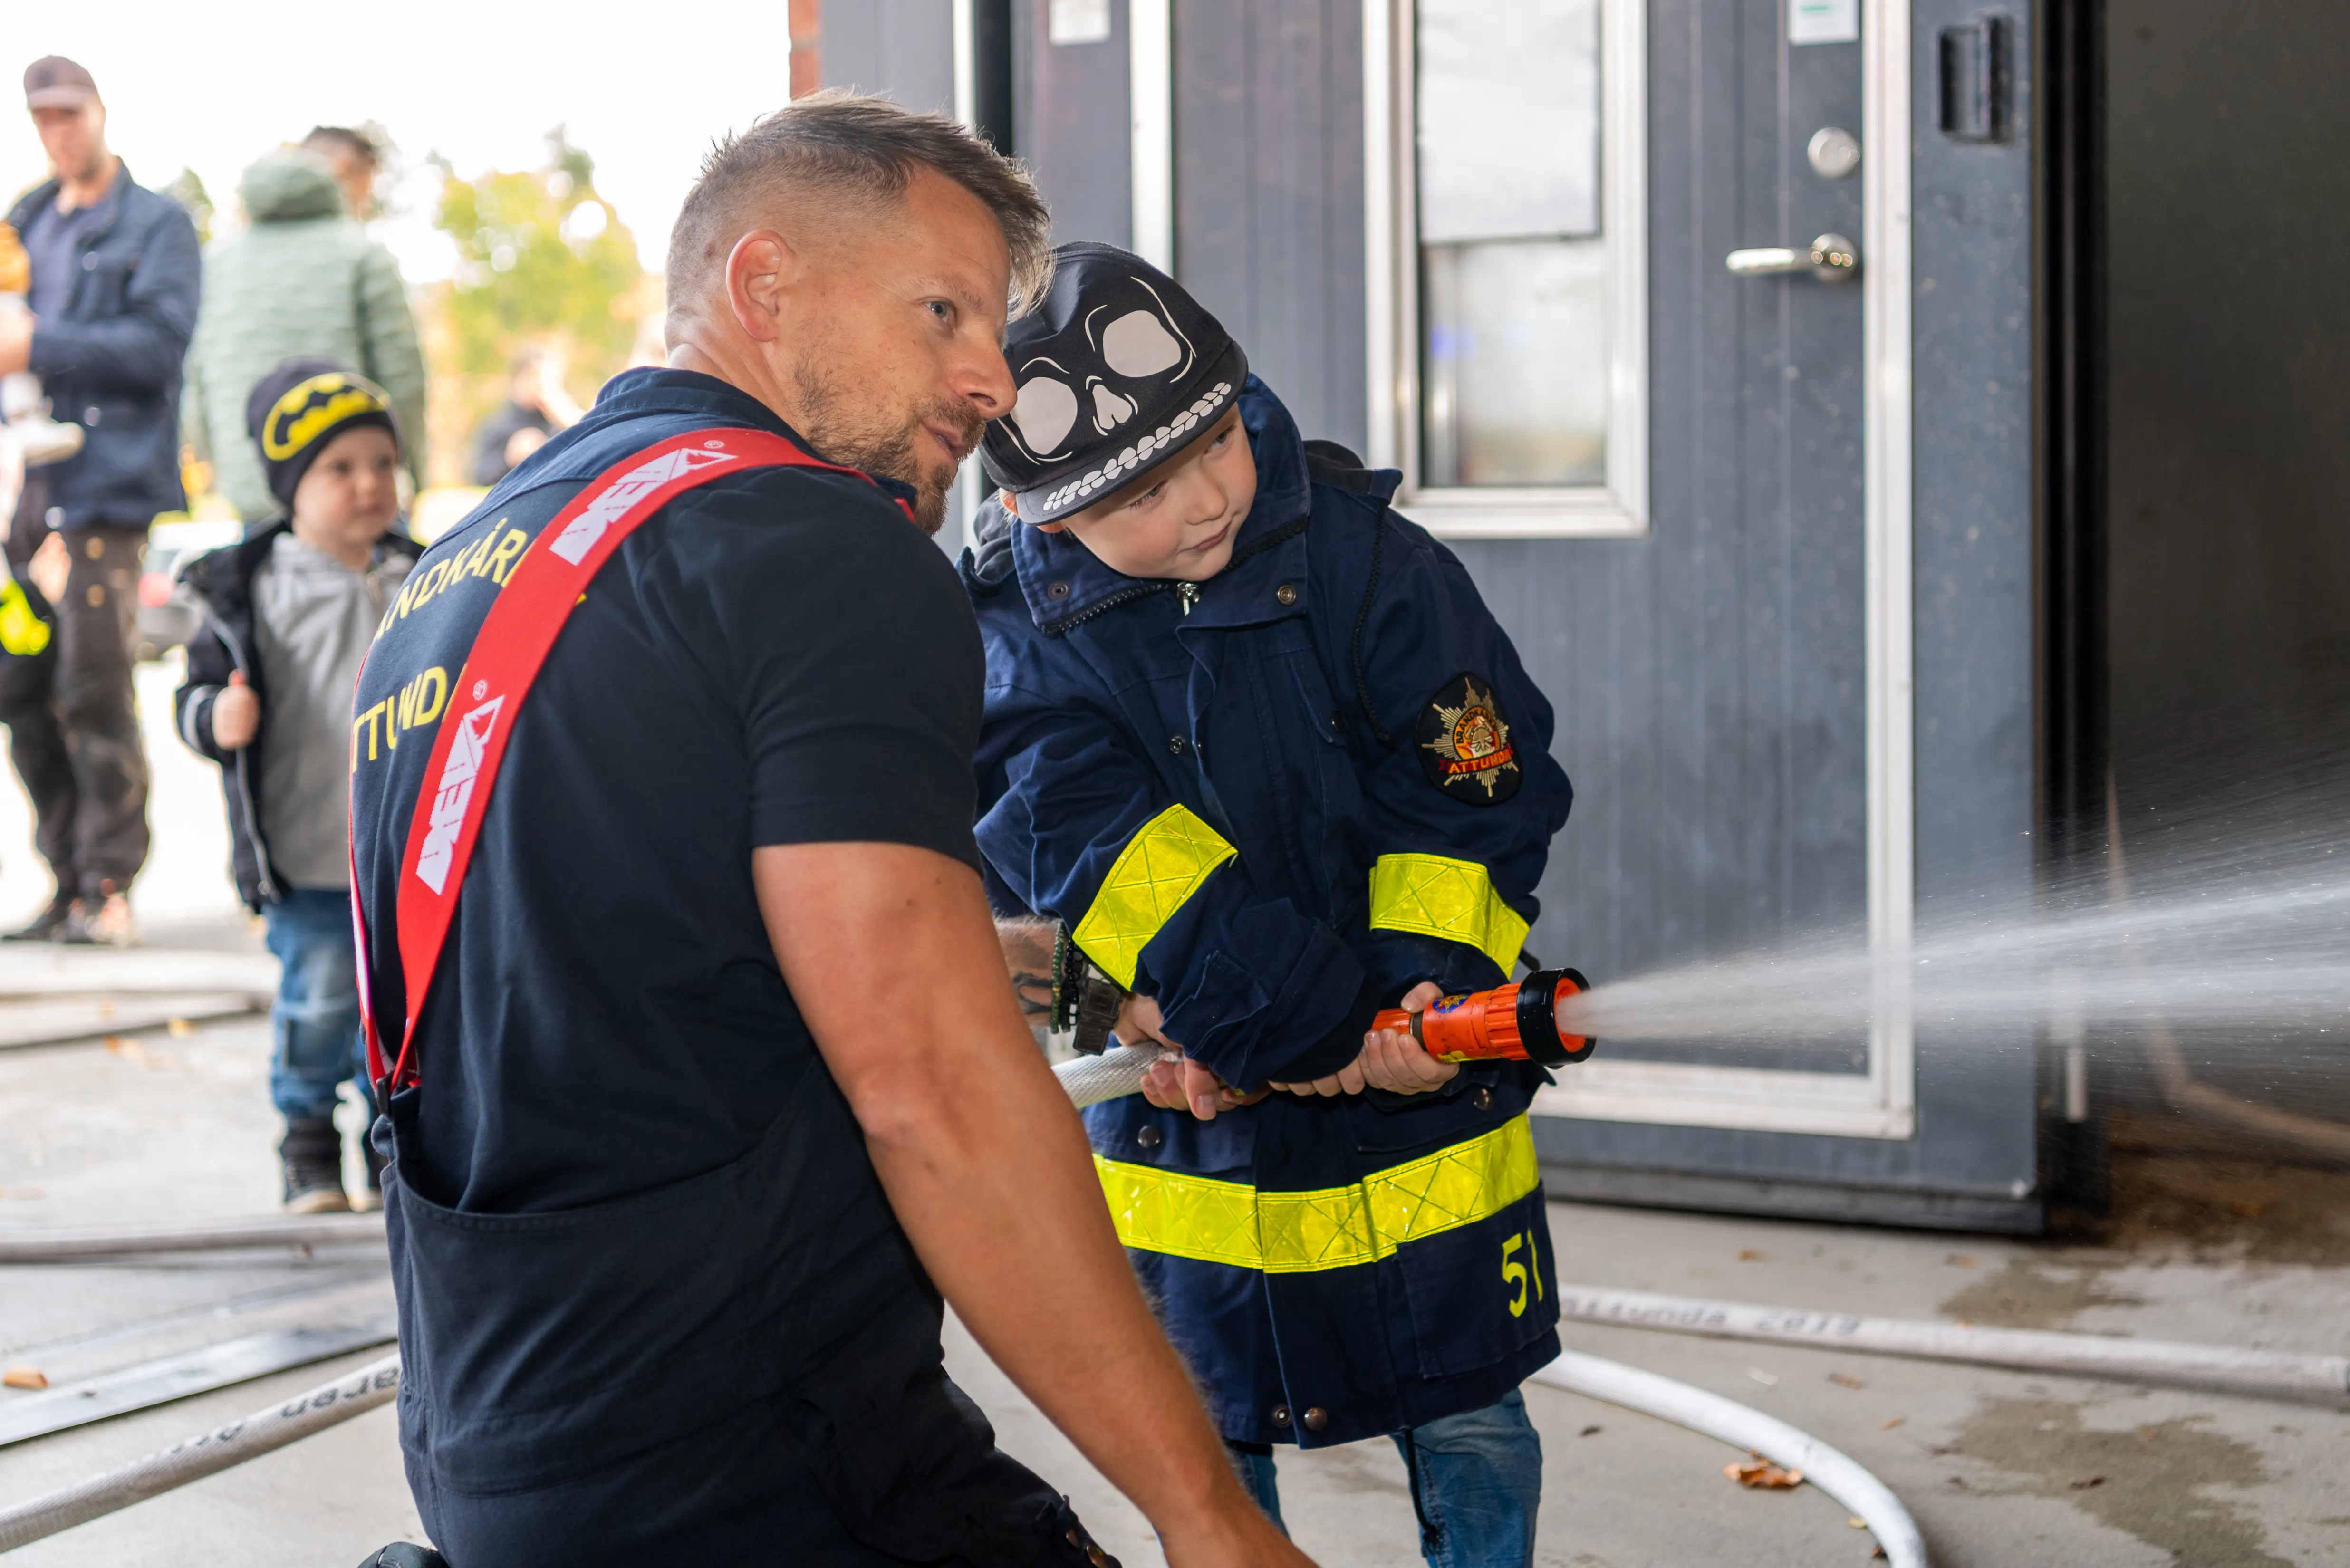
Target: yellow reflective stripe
1452	900
1335	1228
1160	866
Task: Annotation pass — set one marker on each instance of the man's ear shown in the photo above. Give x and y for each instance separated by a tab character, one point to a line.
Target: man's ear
760	270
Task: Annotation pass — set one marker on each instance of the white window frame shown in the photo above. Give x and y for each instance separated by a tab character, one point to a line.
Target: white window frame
1618	506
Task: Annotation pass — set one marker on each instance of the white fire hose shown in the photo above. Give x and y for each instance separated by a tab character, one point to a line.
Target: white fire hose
328	1405
1118	1071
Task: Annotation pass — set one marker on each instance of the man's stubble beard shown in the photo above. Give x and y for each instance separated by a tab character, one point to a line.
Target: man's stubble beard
866	440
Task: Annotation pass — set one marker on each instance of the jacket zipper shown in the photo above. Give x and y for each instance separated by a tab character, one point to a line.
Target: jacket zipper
1102	607
244	780
1189	592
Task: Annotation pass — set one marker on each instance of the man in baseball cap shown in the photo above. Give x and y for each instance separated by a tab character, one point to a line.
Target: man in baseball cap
106	323
53	81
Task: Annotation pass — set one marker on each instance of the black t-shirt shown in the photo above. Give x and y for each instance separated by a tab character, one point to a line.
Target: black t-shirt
776	658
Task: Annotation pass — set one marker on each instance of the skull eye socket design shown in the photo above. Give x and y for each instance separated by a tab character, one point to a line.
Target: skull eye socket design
1138	344
1046	411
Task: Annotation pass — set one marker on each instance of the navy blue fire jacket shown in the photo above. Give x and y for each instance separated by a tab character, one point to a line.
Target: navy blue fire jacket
1275	801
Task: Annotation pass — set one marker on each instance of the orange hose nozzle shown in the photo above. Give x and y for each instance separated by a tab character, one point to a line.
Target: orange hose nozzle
1508	1024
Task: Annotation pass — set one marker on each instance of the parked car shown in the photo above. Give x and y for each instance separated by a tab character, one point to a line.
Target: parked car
167	615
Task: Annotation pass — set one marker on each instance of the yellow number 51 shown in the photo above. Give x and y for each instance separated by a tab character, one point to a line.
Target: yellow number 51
1516	1273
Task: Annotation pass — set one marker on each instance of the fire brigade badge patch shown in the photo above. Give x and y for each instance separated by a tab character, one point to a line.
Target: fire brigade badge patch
1465	742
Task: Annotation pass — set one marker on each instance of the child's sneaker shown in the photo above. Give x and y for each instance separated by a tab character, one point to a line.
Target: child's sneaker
312	1153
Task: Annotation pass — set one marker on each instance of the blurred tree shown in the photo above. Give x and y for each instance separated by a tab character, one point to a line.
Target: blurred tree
188	190
541	258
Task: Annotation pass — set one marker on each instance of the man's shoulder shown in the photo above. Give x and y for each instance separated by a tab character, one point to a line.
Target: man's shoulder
31	205
152	211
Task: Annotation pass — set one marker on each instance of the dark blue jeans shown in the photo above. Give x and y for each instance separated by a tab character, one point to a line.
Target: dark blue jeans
316	1020
1476	1484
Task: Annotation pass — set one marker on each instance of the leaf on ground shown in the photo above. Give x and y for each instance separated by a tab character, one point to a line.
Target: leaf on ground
2083	1484
1763	1378
180	1027
1857	1523
1588	1432
1960	1260
1748	1255
1759	1474
24	1377
1893	1423
1845	1380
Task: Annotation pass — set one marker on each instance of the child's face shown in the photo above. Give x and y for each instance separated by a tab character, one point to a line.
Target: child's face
350	492
1180	520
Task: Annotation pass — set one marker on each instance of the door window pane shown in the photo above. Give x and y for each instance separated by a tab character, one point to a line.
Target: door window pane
1513	283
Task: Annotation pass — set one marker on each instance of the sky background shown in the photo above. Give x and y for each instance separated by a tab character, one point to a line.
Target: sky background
212	87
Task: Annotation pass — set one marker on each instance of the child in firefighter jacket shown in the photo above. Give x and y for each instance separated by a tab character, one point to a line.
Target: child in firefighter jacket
1258	743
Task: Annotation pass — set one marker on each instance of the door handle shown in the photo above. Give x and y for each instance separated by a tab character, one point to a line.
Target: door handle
1832	258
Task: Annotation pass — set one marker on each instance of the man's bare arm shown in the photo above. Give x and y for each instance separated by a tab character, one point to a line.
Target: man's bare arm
892	958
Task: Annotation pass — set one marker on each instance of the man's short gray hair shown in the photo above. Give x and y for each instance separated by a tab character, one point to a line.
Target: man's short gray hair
840	146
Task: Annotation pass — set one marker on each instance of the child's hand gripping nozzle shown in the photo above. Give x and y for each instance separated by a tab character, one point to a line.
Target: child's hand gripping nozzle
1508	1024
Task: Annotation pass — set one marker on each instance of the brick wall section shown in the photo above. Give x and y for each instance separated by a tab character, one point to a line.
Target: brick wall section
807	26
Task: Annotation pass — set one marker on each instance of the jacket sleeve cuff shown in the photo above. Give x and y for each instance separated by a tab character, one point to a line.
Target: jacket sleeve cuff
196	722
1341	1044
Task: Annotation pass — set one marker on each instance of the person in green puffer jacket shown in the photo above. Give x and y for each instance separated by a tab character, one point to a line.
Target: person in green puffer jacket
302	280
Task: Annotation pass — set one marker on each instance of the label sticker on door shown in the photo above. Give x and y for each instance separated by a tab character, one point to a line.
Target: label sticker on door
1078	22
1822	21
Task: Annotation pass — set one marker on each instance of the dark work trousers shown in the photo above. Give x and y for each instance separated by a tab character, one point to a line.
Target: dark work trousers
73	732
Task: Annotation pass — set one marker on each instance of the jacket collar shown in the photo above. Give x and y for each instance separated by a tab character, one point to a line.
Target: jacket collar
222	578
1063	583
108	210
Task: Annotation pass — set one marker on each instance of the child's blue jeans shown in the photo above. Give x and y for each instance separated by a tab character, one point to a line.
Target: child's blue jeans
316	1020
1476	1483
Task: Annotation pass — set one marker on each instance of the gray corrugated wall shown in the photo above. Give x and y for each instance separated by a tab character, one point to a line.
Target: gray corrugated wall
1070	124
904	48
1269	193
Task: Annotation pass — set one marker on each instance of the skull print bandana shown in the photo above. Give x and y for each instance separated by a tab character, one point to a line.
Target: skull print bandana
1118	371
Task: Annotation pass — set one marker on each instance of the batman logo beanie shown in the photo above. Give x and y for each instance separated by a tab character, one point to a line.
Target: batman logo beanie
297	409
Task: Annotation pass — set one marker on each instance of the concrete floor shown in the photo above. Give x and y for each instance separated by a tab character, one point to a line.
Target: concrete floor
2000	1468
1992	1463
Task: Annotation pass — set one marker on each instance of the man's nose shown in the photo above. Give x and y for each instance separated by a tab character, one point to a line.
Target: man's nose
987	382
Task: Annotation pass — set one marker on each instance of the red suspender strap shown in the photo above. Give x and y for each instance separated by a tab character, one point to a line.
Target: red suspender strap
523	623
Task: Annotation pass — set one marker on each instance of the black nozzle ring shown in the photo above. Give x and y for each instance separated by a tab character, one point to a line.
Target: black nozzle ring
1538	1029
